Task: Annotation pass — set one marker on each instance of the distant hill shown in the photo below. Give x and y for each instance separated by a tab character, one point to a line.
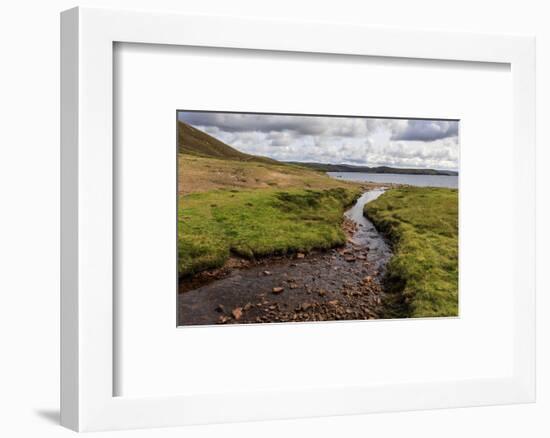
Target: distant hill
195	142
365	169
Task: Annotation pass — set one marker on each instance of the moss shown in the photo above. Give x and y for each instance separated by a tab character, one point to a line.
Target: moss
422	225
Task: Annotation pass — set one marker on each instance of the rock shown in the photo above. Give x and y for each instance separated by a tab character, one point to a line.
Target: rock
349	258
237	312
294	286
220	308
277	290
267	272
300	255
223	319
322	293
248	306
333	302
367	279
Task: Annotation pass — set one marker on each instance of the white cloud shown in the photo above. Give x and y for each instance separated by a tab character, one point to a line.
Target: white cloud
351	140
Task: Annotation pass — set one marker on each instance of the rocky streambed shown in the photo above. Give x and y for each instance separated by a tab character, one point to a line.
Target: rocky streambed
339	284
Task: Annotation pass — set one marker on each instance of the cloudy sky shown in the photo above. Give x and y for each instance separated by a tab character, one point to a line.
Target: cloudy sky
351	140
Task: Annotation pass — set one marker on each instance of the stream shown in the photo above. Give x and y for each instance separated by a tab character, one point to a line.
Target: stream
338	284
366	234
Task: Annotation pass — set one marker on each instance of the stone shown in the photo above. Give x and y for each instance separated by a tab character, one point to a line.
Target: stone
237	312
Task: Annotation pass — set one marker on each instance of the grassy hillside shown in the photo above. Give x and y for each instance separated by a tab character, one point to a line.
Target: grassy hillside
201	173
205	163
195	142
235	203
422	225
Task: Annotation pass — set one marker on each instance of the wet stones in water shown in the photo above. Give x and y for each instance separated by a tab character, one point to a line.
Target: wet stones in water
223	319
237	313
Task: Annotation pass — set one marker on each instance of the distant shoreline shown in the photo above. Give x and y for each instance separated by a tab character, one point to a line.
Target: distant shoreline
366	169
419	180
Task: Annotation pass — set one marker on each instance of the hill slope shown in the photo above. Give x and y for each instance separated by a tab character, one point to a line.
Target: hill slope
195	142
235	203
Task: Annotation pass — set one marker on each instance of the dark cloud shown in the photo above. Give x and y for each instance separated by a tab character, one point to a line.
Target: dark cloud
281	138
231	122
426	130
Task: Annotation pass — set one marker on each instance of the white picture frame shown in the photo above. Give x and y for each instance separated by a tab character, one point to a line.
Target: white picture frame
87	316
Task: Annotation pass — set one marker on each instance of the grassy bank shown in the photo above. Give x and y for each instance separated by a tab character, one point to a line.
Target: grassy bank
422	225
253	223
230	202
201	174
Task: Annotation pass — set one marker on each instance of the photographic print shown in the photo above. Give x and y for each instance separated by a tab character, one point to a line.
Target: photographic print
301	218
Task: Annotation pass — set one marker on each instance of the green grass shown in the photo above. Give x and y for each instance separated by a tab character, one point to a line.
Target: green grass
254	223
422	226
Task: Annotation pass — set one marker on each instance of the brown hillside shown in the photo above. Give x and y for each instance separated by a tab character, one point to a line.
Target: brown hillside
195	142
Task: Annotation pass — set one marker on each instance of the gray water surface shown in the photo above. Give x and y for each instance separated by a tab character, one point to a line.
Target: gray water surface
448	181
366	234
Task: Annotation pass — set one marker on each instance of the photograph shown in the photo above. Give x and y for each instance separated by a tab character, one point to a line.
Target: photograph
288	218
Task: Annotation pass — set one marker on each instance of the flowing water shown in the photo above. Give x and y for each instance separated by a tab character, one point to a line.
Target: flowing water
366	234
342	283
